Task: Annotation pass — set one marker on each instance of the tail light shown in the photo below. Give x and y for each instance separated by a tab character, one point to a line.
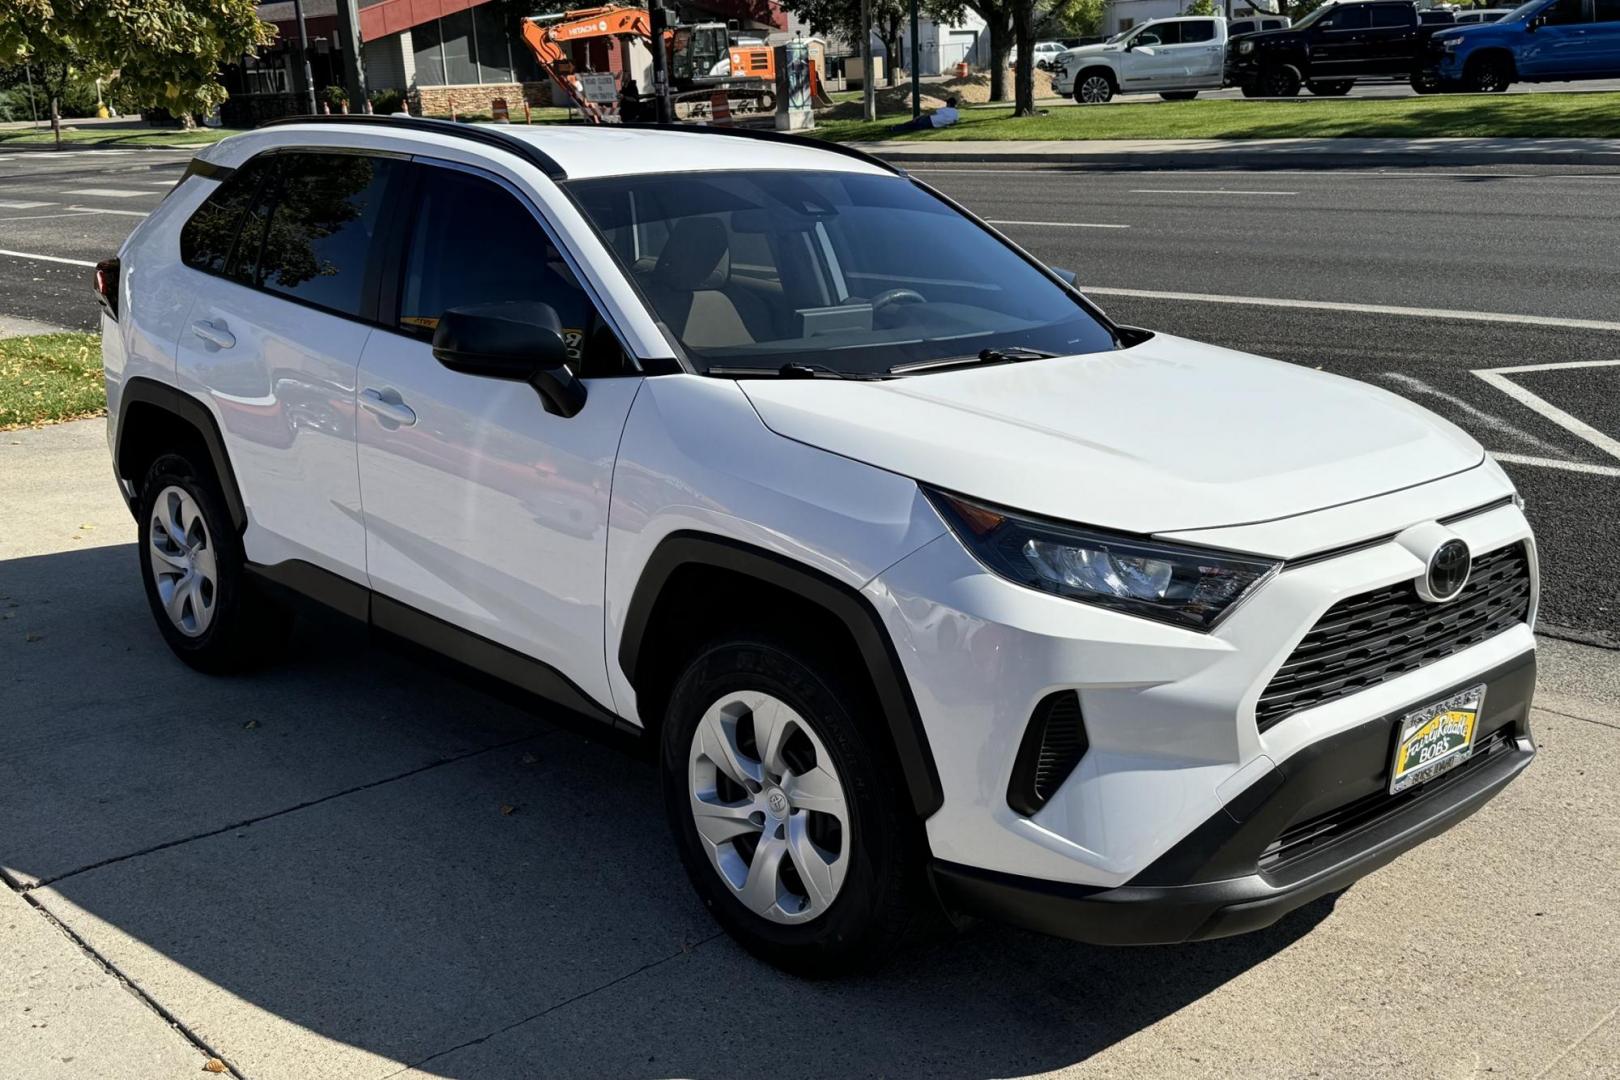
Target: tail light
107	286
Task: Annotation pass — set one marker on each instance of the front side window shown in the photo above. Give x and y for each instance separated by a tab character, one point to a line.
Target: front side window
1160	34
1351	18
472	242
848	271
310	233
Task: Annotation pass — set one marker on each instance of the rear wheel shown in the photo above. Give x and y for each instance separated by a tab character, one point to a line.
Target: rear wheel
1179	95
787	818
1280	81
1334	88
1488	75
194	569
1093	88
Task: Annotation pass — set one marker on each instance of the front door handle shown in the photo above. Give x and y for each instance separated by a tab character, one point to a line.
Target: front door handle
387	406
216	334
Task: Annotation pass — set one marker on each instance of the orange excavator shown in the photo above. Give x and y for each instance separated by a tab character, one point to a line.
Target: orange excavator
704	59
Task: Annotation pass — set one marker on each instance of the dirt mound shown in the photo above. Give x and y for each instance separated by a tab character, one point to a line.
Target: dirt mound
975	88
891	100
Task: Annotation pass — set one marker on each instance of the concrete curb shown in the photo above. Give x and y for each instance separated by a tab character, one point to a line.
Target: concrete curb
1261	154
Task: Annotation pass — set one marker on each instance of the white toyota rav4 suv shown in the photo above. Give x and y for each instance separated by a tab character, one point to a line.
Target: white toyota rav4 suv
926	582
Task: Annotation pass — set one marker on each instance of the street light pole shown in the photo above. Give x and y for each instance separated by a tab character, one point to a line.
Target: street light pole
916	65
303	57
868	86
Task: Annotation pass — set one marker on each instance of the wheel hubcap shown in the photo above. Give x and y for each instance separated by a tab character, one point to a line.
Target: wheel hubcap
182	561
1094	89
769	807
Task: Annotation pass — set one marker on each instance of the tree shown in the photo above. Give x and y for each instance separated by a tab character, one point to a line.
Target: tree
842	19
166	52
1080	18
1202	7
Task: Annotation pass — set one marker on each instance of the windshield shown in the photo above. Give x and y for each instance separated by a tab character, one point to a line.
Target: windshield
1119	35
844	272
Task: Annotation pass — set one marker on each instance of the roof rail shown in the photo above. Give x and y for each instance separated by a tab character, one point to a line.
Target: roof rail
768	135
489	135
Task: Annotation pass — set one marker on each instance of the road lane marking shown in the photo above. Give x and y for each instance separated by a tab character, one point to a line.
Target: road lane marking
1057	224
1414	385
107	210
7	204
1202	191
1497	377
1360	309
1554	463
108	193
46	258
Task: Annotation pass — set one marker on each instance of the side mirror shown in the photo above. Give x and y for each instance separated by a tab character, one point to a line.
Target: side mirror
1535	24
1070	278
521	341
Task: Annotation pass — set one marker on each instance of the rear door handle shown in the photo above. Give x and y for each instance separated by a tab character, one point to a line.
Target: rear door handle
386	405
216	334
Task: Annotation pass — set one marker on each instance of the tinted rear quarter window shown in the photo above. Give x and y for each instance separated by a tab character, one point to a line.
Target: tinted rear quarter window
207	237
1394	15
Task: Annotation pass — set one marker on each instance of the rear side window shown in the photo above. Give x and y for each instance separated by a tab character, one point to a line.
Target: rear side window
1607	11
1391	15
318	221
1201	30
1166	33
207	238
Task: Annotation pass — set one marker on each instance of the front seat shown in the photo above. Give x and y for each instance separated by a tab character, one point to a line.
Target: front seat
688	289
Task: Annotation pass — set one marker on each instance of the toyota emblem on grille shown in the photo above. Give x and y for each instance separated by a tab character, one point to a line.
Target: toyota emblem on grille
1448	570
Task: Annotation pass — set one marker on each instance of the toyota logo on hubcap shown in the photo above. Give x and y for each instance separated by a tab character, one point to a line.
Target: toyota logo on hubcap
777	802
1448	569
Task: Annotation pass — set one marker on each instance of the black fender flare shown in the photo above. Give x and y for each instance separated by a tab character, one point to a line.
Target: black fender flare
190	411
845	604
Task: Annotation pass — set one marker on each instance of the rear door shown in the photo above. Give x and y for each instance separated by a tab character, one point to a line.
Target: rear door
1605	38
1338	43
1202	54
482	509
1392	36
1561	46
286	279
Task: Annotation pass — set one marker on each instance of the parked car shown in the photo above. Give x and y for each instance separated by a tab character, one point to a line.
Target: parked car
1175	58
1437	17
1543	41
1330	48
922	579
1255	24
1484	15
1046	53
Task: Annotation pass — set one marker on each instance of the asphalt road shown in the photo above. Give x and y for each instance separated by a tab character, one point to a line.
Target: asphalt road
1377	88
1527	255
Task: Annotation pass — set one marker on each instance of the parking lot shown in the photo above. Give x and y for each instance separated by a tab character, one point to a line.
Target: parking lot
355	866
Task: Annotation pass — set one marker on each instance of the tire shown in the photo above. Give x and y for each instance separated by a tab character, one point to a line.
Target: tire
1336	88
863	852
1250	90
1280	81
1179	95
1425	82
1093	88
195	577
1488	75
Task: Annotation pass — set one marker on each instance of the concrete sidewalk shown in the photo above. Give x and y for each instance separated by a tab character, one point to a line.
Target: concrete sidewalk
310	871
1255	153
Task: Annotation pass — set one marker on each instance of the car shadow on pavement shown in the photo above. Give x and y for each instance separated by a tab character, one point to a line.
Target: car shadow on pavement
352	860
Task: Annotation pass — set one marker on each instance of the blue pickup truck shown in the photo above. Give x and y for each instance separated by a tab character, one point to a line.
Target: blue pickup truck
1542	41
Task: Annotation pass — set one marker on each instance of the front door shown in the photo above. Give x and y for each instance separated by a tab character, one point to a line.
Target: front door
481	508
1560	47
1150	62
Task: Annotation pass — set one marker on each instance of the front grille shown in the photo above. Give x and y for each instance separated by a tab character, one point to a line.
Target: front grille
1377	636
1053	745
1311	835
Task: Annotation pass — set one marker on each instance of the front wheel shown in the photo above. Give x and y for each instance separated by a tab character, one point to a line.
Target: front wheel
1334	88
1179	95
1094	89
1488	75
784	808
1280	81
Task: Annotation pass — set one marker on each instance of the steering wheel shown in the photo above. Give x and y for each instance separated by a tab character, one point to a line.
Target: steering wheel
896	296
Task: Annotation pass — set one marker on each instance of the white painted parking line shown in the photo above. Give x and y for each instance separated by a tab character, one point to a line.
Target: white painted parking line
1497	377
107	210
1554	463
1057	224
1360	309
107	193
1203	191
45	258
7	204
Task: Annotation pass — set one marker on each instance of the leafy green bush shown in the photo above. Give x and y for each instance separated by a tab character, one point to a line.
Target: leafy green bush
384	102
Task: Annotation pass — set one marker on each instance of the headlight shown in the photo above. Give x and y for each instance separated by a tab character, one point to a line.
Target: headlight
1245	48
1185	586
1450	44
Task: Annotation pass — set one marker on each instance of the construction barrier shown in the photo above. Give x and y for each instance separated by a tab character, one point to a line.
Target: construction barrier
962	70
499	111
720	109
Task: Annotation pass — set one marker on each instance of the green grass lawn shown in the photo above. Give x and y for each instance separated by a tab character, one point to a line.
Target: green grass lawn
1552	115
50	377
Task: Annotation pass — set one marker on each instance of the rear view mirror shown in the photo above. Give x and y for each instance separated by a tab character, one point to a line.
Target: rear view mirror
521	341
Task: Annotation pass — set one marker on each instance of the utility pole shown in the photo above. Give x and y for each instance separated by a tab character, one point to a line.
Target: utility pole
303	57
868	84
354	66
916	65
659	23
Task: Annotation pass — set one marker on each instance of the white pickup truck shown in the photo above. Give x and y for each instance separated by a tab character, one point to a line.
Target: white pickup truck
1174	58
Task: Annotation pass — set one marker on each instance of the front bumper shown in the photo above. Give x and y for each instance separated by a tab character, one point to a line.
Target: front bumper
1309	827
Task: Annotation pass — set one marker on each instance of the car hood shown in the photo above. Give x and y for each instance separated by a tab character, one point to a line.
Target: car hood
1089	50
1166	436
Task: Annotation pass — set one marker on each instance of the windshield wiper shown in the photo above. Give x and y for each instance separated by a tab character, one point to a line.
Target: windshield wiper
1010	354
795	369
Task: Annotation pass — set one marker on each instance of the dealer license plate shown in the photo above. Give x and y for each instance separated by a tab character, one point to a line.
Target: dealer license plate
1436	739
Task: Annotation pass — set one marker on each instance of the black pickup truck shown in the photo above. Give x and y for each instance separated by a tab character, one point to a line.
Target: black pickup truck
1333	46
